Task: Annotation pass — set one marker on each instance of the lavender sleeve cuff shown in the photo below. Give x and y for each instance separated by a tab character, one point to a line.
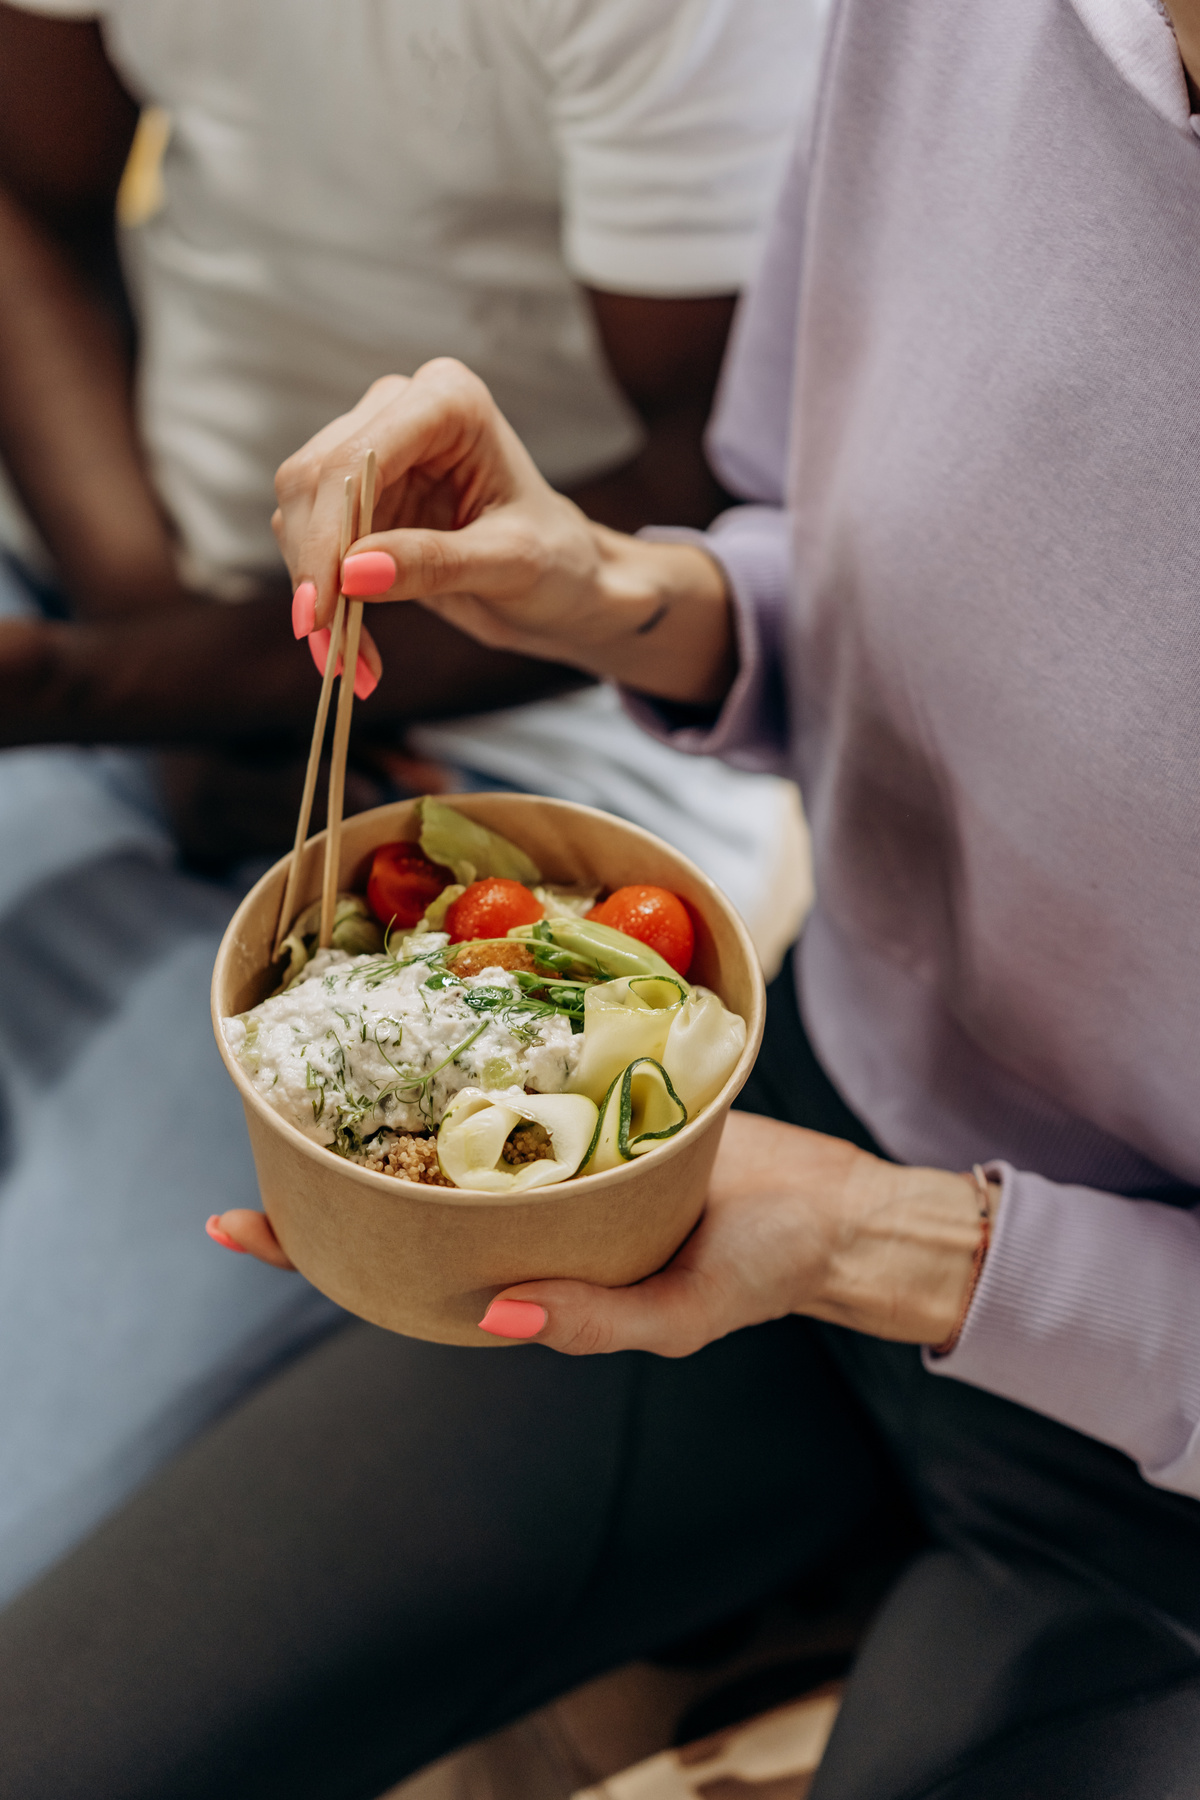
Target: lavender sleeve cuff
1087	1311
750	730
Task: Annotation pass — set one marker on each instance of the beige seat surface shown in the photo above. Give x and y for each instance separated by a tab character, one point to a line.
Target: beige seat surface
609	1740
773	1757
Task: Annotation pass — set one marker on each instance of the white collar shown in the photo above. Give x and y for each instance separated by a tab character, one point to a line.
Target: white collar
1136	36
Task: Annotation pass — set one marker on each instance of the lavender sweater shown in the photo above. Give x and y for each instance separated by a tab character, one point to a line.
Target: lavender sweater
969	604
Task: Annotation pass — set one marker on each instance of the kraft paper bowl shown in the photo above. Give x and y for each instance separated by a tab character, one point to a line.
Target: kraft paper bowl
426	1261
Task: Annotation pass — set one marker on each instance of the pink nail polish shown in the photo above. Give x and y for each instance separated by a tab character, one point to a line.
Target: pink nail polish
370	572
365	681
223	1238
318	643
513	1319
304	609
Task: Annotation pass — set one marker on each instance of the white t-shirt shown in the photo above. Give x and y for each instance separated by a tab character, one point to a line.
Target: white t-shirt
354	186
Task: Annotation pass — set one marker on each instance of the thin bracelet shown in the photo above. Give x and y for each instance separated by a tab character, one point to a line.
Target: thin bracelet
981	1249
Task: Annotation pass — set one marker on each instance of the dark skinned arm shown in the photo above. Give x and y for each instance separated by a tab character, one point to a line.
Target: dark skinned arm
66	418
666	355
147	662
1185	17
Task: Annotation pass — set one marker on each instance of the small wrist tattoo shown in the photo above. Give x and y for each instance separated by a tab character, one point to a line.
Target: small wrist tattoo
656	618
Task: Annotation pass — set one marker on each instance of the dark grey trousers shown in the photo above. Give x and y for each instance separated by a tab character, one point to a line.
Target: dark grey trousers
395	1547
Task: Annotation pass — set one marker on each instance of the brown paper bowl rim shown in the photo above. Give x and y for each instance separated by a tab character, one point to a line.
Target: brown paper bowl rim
575	1184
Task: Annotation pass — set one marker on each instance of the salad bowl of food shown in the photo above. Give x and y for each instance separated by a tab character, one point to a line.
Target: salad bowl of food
514	1061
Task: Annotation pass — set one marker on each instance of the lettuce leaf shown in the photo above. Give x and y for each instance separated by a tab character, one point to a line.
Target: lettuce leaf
472	851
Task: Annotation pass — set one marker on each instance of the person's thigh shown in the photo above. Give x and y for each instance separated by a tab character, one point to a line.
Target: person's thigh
1145	1746
396	1546
1061	1589
122	1329
984	1662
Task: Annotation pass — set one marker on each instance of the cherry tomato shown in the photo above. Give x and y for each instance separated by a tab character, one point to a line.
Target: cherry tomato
402	883
653	916
490	909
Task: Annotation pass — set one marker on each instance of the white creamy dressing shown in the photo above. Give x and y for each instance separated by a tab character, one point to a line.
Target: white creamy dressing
359	1043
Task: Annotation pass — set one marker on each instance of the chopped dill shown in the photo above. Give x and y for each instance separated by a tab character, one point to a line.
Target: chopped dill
522	1006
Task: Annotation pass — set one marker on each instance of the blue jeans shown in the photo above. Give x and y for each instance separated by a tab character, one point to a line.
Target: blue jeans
123	1330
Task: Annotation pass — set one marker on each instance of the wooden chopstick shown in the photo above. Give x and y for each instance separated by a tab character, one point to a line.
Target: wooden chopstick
341	729
288	906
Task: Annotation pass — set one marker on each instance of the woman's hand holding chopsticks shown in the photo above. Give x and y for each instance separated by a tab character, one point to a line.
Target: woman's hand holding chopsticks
468	527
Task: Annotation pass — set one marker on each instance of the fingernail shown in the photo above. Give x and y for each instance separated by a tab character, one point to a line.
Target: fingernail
370	572
304	608
365	680
223	1238
318	643
514	1319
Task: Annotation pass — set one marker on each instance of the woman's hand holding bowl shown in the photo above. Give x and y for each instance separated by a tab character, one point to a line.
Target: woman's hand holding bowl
796	1222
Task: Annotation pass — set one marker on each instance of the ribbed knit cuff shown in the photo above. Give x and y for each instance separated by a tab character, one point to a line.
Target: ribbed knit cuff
1086	1311
751	543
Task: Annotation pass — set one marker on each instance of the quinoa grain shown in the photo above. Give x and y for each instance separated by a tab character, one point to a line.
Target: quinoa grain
407	1157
